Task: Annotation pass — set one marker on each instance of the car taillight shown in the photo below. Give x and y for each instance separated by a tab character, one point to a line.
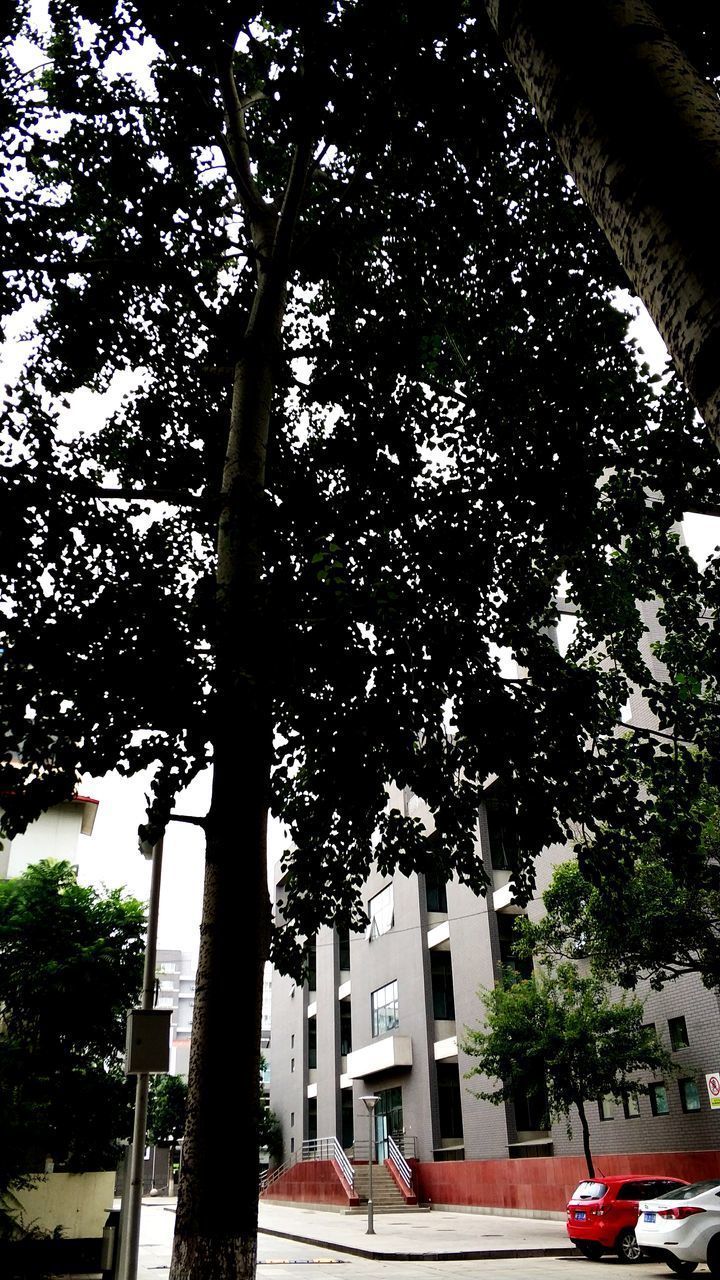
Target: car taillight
682	1211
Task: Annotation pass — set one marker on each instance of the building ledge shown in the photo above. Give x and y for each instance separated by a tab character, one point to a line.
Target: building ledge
382	1055
439	934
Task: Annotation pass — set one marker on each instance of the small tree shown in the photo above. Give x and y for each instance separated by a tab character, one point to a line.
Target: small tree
70	968
560	1037
657	917
166	1108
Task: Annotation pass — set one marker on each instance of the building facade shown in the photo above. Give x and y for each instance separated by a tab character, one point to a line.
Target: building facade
384	1014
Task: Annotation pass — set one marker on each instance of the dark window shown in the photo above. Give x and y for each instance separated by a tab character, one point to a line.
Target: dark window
606	1107
506	938
678	1033
312	1119
659	1104
632	1191
442	985
292	1064
435	894
292	1119
631	1106
345	1029
292	1041
312	1044
449	1100
292	1145
384	1009
347	1117
503	841
689	1096
344	950
530	1106
311	963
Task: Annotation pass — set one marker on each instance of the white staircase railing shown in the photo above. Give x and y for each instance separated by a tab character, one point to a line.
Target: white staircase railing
315	1149
399	1163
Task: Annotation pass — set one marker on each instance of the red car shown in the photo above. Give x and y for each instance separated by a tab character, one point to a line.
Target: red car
602	1212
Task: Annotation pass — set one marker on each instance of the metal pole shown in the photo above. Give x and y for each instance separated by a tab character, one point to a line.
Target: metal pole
131	1241
370	1228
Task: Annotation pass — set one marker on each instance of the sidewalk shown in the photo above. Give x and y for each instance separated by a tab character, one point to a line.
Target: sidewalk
421	1237
400	1237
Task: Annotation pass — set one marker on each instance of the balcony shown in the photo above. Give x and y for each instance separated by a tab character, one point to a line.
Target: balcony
381	1055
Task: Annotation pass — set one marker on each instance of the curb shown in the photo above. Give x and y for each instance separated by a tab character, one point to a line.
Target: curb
449	1255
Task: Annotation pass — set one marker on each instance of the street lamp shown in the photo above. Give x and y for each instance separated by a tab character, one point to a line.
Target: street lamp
371	1102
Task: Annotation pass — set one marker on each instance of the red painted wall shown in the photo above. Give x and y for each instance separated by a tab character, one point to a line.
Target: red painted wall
545	1182
309	1182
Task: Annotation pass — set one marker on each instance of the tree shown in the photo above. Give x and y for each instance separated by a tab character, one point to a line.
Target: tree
353	457
657	919
637	124
559	1036
70	969
167	1104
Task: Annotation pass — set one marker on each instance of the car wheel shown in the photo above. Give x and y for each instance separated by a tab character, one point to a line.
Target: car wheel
590	1250
628	1249
680	1268
713	1256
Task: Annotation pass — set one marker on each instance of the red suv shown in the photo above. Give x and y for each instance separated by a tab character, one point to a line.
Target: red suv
601	1214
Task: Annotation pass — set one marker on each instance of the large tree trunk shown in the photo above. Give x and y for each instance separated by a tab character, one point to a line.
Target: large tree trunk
639	130
216	1226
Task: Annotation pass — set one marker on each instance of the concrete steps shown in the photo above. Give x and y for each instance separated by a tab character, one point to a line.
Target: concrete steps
387	1196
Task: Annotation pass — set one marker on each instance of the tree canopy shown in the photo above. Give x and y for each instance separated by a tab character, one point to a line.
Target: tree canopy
558	1036
658	918
324	396
70	970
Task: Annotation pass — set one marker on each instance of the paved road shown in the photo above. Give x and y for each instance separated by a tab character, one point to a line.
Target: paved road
283	1259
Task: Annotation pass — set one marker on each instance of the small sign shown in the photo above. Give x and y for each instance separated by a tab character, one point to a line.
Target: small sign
713	1088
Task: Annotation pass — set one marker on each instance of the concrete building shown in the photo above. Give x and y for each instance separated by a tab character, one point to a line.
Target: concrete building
55	834
175	973
384	1014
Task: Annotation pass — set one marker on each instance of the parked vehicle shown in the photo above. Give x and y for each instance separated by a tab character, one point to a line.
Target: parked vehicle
682	1227
602	1212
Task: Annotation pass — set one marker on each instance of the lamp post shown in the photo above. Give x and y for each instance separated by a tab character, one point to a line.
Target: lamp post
371	1102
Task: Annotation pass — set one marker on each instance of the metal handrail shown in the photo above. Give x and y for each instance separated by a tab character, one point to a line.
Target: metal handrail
329	1149
314	1149
397	1159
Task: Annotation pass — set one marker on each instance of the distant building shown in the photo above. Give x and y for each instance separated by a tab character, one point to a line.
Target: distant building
175	974
55	834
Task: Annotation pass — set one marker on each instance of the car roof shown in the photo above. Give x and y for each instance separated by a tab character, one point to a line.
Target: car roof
612	1179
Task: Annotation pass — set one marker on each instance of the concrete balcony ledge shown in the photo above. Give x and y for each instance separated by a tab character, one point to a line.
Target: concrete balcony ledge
381	1055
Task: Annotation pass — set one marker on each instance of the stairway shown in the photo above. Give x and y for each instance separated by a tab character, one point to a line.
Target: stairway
387	1196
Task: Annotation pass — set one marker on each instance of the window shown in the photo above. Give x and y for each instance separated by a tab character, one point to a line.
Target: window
689	1096
631	1106
503	842
292	1145
292	1064
311	963
523	968
345	1029
344	951
436	894
292	1041
530	1106
449	1100
312	1044
442	985
659	1100
380	911
606	1107
384	1007
347	1118
292	1119
678	1033
312	1120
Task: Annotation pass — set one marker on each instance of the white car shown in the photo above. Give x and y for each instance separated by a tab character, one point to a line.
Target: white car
682	1227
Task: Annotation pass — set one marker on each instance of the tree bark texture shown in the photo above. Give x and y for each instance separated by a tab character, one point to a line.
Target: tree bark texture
216	1225
639	131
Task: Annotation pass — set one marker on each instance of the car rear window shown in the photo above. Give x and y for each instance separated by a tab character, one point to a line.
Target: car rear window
589	1191
687	1193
